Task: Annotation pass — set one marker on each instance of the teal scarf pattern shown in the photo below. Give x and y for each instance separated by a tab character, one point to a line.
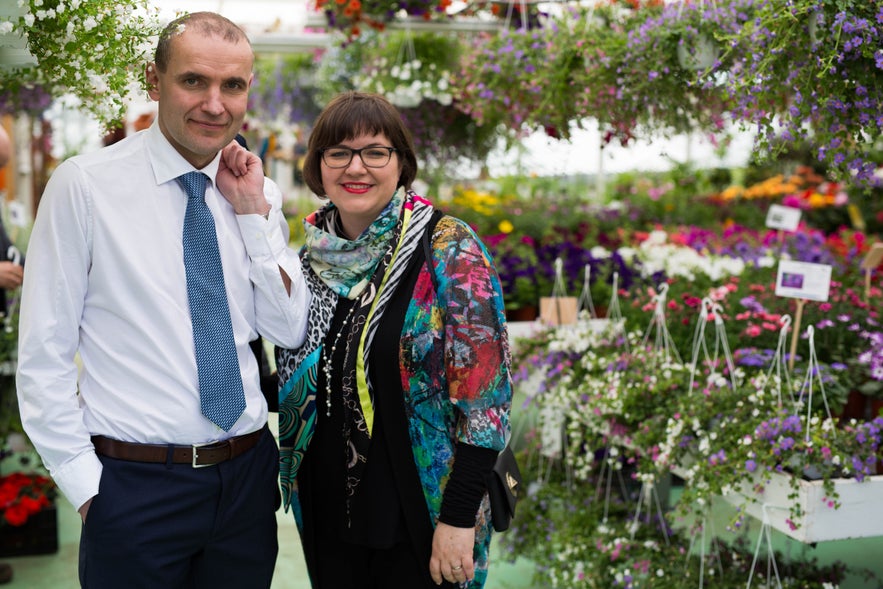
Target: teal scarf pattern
347	266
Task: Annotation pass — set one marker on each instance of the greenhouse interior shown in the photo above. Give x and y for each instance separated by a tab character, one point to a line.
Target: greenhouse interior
681	202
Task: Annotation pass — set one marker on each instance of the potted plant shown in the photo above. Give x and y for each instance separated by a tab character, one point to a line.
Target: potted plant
28	518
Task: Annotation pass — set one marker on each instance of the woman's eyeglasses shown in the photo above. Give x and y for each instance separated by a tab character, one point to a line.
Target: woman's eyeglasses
372	157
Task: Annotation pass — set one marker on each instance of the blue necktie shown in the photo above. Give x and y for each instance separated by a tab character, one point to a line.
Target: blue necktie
220	384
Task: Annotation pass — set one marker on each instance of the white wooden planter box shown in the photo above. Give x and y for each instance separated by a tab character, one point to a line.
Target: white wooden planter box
860	514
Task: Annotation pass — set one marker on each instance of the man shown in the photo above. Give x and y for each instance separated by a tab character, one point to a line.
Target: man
111	279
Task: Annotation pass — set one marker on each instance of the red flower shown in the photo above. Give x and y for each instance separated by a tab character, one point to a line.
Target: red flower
692	301
22	495
16	515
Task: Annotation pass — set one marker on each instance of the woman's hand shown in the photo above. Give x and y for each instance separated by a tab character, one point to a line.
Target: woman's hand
241	180
452	554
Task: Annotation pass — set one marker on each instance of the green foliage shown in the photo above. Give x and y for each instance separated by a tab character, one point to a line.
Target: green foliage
95	50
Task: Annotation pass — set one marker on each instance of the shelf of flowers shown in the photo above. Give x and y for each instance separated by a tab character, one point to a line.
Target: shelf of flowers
728	429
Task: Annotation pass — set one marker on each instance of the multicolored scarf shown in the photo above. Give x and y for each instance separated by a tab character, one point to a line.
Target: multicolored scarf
327	280
347	266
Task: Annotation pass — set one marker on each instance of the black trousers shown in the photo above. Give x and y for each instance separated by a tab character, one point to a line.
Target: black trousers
341	565
177	527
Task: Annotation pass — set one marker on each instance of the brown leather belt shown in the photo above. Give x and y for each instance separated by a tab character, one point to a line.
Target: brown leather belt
197	455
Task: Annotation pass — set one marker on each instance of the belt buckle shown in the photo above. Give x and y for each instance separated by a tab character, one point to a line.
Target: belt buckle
195	448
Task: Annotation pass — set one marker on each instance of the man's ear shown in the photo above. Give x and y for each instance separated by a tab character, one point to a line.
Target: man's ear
152	78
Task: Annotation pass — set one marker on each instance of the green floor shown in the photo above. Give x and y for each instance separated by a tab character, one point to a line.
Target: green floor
59	571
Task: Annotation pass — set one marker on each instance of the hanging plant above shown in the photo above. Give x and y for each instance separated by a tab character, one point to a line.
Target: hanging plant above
812	69
353	16
93	50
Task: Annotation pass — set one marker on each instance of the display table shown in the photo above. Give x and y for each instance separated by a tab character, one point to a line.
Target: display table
859	514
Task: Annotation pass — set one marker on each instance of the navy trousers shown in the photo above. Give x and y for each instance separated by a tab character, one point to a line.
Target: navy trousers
178	527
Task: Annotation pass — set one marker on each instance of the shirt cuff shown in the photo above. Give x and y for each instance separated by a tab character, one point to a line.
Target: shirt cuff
78	479
262	236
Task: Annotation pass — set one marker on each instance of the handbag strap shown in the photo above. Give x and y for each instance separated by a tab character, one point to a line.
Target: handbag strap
427	247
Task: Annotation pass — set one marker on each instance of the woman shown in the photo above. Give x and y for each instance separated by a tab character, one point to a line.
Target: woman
393	412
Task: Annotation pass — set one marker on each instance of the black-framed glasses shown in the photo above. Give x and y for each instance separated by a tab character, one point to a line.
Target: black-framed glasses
372	157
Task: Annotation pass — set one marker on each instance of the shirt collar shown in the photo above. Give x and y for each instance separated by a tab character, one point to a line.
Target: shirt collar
167	163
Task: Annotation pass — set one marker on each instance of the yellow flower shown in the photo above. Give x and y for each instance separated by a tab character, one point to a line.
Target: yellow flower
732	192
817	200
506	226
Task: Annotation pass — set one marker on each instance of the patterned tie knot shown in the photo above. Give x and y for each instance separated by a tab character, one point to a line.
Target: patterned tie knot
193	184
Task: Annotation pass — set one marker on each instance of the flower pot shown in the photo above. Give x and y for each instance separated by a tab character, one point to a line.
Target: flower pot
525	313
38	535
856	406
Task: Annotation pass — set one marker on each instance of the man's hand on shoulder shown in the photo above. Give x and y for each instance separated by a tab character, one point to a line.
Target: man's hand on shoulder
241	180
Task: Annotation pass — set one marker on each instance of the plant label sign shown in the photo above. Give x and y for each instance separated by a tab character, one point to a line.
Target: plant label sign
803	280
784	218
873	257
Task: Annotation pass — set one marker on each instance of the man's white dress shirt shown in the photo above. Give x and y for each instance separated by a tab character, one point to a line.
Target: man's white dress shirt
105	279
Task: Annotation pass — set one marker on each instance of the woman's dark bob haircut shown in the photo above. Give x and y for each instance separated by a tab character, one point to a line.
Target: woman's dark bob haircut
349	115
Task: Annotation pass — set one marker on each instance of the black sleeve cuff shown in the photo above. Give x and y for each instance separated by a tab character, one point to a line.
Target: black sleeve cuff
466	485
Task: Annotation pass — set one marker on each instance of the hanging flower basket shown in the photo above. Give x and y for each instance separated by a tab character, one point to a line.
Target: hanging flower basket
85	49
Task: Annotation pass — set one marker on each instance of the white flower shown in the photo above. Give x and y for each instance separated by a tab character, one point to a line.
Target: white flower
599	252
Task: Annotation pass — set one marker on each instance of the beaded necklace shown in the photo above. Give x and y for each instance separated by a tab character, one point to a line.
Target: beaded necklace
326	363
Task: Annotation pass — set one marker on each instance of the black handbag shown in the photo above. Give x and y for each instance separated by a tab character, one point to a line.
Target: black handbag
504	487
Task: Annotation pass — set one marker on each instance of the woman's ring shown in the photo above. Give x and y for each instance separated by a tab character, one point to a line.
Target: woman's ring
457	568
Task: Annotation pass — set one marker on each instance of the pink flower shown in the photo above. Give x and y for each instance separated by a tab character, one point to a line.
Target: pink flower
753	331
